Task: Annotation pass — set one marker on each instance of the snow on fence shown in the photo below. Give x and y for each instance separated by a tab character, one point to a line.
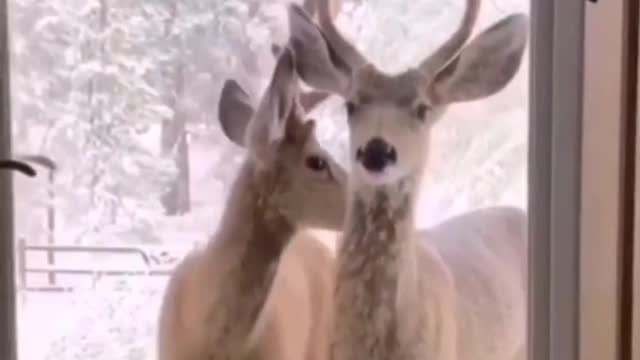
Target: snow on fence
152	261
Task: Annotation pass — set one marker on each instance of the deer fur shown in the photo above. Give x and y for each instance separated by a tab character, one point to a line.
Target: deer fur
217	303
397	296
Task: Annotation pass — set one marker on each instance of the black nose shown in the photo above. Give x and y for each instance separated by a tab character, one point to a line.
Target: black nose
376	154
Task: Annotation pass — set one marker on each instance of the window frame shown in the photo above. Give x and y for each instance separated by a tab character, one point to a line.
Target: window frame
8	332
555	135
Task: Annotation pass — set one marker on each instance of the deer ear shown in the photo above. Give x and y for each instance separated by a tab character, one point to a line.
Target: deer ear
276	105
317	61
234	111
310	99
486	65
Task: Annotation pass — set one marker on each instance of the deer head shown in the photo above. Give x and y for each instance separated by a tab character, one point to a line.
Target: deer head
308	186
390	116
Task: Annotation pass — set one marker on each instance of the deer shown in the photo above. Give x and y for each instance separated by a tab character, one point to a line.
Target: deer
222	297
395	295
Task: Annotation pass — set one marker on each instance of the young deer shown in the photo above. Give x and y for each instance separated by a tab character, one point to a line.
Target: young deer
397	297
217	304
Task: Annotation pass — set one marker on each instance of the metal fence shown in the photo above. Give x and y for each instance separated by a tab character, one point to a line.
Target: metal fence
154	261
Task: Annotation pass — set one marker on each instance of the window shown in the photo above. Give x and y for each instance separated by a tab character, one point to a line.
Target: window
122	95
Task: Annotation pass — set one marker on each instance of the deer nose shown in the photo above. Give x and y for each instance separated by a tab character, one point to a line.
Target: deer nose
376	154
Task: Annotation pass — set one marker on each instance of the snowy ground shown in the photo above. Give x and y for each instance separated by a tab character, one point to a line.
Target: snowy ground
101	324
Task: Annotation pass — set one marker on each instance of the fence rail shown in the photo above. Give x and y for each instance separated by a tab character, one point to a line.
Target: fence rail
155	261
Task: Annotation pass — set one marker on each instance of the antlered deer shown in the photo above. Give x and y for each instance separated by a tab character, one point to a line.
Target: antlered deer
396	296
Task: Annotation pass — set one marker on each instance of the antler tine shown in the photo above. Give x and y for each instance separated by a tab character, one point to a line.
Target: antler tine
326	14
450	48
308	99
310	7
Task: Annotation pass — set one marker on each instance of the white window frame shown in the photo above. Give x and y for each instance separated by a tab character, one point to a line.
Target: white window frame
555	120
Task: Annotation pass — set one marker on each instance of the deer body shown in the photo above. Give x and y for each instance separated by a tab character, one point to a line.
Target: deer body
198	308
485	254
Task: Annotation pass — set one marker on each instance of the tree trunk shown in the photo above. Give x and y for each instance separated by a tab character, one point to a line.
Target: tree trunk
177	200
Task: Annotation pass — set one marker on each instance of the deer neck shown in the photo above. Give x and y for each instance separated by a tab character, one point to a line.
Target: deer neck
379	225
245	254
375	267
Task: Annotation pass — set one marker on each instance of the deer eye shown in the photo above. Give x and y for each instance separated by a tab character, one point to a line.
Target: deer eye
351	107
316	163
420	111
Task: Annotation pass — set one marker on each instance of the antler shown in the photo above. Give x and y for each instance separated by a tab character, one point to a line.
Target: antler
326	14
310	7
308	99
445	53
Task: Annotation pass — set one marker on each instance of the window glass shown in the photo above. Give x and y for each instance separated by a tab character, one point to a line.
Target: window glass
123	95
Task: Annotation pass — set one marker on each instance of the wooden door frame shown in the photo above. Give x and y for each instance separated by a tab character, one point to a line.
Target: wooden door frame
633	262
608	173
